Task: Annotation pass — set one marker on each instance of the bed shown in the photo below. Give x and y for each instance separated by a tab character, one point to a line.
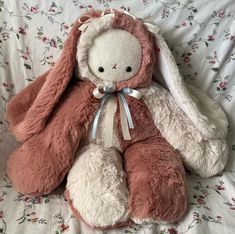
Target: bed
202	38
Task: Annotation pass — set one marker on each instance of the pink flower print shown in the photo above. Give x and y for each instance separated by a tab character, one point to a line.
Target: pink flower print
53	43
64	227
27	50
221	14
212	61
186	59
172	230
38	200
1	214
26	199
21	31
8	86
232	37
34	9
222	85
66	26
4	85
51	10
211	38
34	220
24	57
201	201
45	39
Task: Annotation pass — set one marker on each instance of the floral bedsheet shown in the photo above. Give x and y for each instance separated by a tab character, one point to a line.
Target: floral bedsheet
201	35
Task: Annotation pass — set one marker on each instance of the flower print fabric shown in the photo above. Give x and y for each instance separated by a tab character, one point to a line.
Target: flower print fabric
201	37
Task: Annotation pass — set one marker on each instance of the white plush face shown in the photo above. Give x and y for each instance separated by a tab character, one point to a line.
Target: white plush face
115	55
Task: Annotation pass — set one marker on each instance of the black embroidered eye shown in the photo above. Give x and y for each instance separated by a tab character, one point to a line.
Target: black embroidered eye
101	69
128	69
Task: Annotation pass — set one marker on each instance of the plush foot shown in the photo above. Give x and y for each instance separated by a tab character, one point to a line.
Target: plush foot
156	181
96	187
36	171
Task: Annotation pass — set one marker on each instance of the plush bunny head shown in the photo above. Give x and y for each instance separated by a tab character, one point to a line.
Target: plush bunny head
122	57
115	49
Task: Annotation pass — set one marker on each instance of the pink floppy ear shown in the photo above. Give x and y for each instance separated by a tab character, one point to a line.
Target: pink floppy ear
19	105
54	86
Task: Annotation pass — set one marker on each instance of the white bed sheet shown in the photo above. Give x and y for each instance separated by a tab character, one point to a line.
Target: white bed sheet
201	35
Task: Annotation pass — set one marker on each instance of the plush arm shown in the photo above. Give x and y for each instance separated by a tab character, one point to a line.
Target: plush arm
21	102
201	155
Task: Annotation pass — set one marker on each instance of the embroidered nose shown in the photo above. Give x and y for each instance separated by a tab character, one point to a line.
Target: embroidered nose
115	66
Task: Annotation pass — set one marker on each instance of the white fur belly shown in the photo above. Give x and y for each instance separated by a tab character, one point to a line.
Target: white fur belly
102	125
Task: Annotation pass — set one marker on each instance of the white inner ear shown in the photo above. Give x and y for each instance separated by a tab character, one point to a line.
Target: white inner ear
115	55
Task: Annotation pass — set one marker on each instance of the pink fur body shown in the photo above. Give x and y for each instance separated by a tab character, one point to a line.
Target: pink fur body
52	118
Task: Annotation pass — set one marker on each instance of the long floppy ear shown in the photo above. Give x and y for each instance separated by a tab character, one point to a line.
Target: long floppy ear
201	111
19	105
54	86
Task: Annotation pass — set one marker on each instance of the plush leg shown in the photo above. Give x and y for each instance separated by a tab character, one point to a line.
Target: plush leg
156	181
96	187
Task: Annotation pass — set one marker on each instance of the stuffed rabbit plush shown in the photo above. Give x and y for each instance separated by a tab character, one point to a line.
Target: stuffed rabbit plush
129	136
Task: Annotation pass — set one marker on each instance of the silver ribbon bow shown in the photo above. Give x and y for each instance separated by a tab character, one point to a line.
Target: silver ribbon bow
104	93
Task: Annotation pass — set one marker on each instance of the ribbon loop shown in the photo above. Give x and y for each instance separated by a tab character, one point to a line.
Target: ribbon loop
123	101
104	93
131	92
97	116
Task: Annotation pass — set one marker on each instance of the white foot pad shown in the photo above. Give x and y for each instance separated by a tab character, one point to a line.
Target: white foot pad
97	186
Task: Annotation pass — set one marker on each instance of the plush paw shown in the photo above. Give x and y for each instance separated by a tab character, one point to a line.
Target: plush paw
96	187
156	181
35	171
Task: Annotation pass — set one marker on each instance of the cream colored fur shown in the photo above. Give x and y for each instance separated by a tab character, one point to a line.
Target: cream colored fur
114	50
200	154
168	69
102	127
95	27
97	186
210	109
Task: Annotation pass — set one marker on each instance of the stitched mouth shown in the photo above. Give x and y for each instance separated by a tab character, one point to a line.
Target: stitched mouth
114	66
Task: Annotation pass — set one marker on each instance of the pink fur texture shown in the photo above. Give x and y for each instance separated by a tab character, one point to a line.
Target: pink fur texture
136	28
40	164
156	176
156	180
54	86
20	104
52	117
